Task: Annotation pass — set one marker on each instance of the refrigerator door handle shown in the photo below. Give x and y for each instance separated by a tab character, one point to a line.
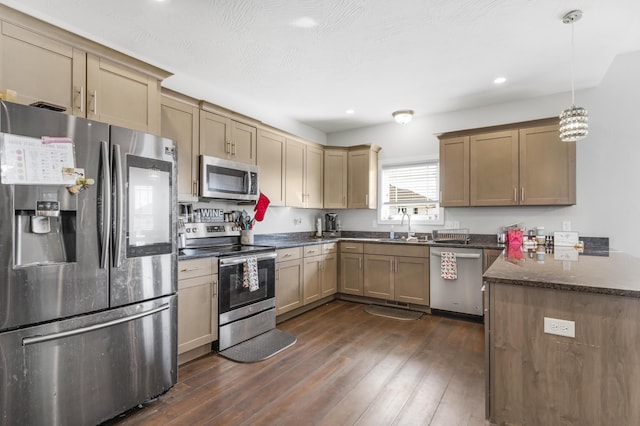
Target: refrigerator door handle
40	339
119	206
105	211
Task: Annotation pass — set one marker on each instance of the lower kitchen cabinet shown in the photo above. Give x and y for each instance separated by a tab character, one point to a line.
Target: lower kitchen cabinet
351	268
312	279
411	280
396	277
320	272
289	279
329	274
197	305
488	257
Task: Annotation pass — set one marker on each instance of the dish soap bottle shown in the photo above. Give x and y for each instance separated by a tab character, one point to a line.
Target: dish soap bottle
392	234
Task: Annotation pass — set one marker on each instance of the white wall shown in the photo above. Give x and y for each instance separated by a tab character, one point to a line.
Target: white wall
608	160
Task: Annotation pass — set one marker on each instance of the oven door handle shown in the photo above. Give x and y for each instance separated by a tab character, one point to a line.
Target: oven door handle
237	260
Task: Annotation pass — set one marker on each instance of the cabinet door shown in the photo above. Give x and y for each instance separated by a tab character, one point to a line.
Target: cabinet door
351	276
411	280
288	286
312	279
271	156
294	173
120	95
494	169
180	122
214	138
329	274
196	326
244	141
314	177
335	179
359	196
41	69
547	167
378	276
454	172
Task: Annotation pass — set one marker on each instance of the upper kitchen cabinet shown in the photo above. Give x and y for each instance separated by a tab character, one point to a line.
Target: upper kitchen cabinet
223	136
335	178
121	95
515	164
493	162
454	172
303	174
181	122
44	63
547	167
271	157
362	172
41	69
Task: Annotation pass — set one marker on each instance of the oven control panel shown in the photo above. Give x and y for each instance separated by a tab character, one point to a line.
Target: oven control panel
209	229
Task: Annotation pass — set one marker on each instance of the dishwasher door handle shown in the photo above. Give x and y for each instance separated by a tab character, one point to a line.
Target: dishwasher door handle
460	255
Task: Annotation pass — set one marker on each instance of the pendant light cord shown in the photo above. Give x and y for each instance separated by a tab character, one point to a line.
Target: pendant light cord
573	95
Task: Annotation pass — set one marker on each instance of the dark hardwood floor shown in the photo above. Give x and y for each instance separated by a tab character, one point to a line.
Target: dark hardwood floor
347	367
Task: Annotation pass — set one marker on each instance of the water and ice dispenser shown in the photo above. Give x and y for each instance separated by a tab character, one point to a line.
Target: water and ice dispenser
45	225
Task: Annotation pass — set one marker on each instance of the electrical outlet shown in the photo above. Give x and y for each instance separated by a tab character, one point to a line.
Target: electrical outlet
297	221
566	225
560	327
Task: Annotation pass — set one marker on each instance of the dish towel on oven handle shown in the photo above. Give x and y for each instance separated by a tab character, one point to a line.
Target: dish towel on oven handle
250	278
448	265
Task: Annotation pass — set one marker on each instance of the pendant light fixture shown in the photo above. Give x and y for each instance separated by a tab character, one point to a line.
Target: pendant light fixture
574	121
403	116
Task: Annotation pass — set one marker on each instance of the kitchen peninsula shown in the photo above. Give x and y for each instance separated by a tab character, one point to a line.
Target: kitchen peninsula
535	377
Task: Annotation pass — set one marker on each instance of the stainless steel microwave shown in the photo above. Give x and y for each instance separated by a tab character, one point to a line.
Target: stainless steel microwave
228	180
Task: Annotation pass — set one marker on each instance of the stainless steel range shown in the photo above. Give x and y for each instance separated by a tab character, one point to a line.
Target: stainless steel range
245	309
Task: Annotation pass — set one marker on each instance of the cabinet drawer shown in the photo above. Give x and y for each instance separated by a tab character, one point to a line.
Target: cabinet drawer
197	267
314	250
397	249
289	254
329	248
349	247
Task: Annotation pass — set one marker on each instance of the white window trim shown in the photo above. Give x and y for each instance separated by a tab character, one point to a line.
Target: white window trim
402	162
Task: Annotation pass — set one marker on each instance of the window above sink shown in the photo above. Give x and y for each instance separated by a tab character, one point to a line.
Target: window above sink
411	187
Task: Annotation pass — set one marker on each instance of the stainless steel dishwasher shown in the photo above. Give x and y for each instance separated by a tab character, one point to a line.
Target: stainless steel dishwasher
464	294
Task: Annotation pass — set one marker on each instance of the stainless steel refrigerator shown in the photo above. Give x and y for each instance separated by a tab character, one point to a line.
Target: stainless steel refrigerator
88	303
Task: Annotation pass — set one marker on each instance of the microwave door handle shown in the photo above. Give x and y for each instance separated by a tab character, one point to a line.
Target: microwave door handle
247	179
105	203
117	163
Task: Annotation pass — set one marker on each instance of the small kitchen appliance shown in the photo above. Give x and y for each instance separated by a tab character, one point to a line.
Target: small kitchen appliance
331	225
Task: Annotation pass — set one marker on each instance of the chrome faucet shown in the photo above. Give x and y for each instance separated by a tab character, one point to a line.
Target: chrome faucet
409	233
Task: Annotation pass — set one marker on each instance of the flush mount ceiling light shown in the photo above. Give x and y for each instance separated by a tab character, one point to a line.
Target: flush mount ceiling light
574	121
403	116
499	80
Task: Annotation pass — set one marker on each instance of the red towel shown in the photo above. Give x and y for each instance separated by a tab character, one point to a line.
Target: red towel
261	207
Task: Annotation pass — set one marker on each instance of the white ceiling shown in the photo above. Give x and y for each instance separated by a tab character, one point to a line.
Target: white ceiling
373	56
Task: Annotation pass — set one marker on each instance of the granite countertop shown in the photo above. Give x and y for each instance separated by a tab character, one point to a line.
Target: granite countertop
615	274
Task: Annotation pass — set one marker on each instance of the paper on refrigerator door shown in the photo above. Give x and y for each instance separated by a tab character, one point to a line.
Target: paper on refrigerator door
37	161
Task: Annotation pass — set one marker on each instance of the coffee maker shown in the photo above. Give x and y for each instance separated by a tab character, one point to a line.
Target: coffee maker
331	225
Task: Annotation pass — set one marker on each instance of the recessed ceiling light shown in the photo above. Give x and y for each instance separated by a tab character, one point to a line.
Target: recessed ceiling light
304	22
499	80
349	111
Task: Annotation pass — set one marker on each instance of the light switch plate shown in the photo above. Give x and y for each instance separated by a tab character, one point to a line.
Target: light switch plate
560	327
